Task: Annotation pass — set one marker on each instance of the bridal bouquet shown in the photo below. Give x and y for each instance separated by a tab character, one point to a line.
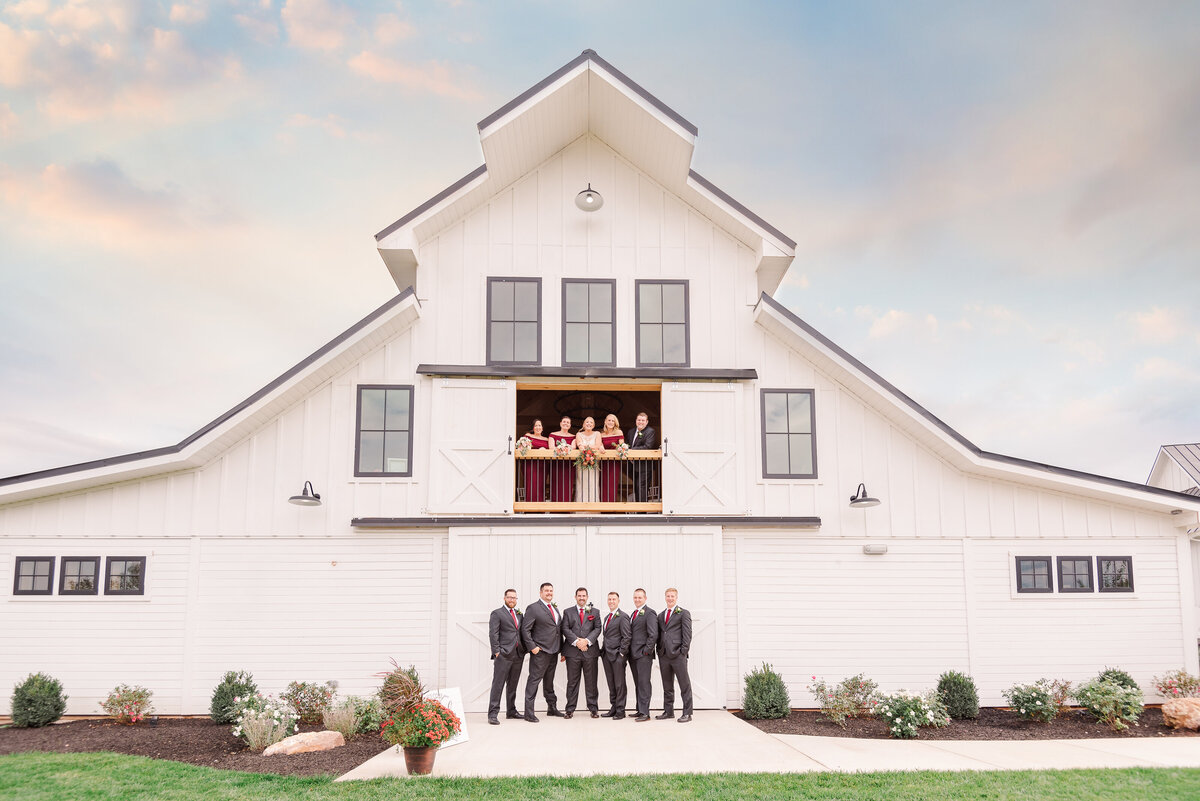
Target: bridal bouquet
523	446
587	459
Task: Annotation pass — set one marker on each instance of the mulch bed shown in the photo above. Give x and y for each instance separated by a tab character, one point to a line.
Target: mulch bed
992	724
197	741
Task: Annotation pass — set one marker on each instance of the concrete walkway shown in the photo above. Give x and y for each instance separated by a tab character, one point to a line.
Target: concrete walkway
716	741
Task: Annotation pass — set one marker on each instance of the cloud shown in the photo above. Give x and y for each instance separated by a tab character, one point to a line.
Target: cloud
8	120
1158	368
895	322
389	29
330	124
188	14
1158	326
432	77
316	24
262	30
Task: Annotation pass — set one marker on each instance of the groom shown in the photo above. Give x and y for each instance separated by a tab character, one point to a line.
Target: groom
641	438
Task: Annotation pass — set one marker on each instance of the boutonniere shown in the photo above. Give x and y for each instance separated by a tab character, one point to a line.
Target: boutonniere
554	604
518	611
587	608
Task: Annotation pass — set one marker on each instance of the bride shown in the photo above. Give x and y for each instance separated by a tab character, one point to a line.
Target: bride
587	481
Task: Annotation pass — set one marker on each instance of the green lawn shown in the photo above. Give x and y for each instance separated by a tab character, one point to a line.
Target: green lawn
79	777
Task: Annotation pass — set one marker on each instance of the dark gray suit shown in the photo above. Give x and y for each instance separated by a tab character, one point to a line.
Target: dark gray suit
640	472
504	634
643	638
614	656
674	641
541	629
581	662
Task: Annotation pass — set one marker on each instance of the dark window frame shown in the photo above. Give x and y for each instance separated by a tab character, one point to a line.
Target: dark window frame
488	321
762	429
412	397
108	563
17	575
62	575
687	321
1091	574
1128	560
612	283
1049	573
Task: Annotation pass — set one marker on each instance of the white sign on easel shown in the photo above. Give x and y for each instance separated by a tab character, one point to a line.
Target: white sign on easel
451	698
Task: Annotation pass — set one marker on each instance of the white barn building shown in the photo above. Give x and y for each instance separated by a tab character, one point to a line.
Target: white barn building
168	567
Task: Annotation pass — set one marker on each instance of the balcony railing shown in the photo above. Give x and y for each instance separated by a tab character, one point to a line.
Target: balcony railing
549	483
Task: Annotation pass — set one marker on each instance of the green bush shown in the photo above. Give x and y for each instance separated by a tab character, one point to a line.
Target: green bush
234	687
1032	701
959	694
1111	702
851	698
369	711
1177	684
127	704
1119	676
905	712
37	701
766	695
309	699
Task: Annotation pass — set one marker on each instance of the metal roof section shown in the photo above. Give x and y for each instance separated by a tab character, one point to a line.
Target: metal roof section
195	449
1187	457
947	442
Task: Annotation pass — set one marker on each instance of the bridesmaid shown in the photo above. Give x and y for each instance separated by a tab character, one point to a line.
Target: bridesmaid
610	469
535	469
561	474
587	480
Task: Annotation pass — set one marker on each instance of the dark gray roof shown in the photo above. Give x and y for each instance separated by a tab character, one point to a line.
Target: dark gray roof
1187	457
433	201
533	370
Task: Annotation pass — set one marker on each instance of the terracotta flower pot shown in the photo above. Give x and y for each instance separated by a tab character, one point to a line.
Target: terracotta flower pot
419	760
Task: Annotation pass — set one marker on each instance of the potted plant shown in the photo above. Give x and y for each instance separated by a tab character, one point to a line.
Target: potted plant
415	723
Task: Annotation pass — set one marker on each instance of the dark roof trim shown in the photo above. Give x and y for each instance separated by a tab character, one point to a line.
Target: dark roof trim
433	201
711	187
589	55
250	401
957	437
529	521
530	371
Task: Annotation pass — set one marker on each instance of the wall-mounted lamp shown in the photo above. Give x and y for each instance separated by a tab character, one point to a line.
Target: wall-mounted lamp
874	549
589	199
306	497
860	499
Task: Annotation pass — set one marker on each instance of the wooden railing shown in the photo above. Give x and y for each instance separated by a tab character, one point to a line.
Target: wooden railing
549	483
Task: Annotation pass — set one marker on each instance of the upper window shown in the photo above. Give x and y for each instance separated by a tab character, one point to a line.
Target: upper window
589	313
662	323
79	575
789	446
33	575
1075	574
514	313
384	446
126	575
1116	573
1033	574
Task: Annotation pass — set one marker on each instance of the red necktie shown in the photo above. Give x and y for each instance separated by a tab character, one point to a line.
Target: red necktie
553	619
668	620
608	621
581	617
513	612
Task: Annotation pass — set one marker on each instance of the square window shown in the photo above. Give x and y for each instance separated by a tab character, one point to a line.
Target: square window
789	445
514	321
662	323
1075	574
1116	573
1033	574
125	575
589	332
383	445
33	575
79	575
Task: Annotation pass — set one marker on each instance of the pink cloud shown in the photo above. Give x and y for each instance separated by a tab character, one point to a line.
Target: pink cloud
316	24
433	77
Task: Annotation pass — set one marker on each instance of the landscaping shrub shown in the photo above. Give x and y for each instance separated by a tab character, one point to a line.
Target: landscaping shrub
369	711
1060	691
766	695
1032	701
1177	684
37	701
852	698
958	692
341	718
905	712
263	721
1119	676
1111	702
309	699
234	686
127	704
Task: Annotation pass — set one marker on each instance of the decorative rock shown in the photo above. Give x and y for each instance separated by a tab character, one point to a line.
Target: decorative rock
308	741
1182	713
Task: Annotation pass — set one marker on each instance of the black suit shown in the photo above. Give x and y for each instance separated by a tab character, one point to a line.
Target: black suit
541	629
640	470
614	656
674	641
643	638
581	662
508	652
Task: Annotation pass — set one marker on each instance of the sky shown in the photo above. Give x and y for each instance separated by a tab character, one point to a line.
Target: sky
996	205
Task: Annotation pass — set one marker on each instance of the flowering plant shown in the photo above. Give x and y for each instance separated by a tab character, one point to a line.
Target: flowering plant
622	450
587	459
1177	684
905	712
562	448
127	704
427	725
309	699
523	446
263	720
1111	702
1032	701
852	698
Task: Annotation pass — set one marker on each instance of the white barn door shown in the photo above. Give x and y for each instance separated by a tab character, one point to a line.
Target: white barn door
701	464
471	471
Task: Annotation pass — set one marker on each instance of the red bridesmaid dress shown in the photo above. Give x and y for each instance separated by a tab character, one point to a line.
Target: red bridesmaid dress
562	471
535	471
610	470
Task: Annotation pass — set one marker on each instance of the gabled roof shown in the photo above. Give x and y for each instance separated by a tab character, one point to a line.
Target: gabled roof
587	96
1187	457
912	417
199	447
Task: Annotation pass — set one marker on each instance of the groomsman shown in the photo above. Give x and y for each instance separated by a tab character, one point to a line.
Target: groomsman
542	632
643	637
641	438
581	633
614	656
508	652
674	640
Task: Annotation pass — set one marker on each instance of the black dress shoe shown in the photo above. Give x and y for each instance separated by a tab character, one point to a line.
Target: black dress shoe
493	721
618	717
665	716
595	714
568	715
686	719
608	714
514	716
641	718
532	718
553	713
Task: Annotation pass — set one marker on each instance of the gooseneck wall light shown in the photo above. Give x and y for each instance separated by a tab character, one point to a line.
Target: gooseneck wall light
860	499
306	497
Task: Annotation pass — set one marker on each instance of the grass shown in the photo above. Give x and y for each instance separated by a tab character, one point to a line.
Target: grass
82	777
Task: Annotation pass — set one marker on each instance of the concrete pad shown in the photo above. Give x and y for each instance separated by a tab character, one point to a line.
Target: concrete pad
853	755
1174	752
715	741
1039	754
